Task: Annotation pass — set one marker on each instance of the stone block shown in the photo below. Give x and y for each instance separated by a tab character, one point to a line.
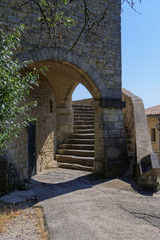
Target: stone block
105	118
121	118
119	125
99	141
112	153
113	142
114	133
75	59
113	118
84	66
69	57
106	134
100	133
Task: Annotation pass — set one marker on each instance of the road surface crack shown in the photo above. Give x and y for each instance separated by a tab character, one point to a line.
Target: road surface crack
146	217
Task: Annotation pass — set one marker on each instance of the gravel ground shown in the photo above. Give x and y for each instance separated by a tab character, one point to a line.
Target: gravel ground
22	227
22	221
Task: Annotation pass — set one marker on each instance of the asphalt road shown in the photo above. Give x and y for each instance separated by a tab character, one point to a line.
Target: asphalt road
79	206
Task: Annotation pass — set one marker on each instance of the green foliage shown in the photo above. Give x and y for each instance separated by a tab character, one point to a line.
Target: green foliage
53	15
15	83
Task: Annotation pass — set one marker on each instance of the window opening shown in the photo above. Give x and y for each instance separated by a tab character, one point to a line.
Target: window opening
51	106
153	134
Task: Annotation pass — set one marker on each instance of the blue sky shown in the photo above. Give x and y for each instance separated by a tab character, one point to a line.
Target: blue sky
140	53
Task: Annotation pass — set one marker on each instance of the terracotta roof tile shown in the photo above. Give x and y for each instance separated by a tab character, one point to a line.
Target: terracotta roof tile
153	110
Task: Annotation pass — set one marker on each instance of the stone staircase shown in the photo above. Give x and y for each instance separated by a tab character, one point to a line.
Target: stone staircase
77	151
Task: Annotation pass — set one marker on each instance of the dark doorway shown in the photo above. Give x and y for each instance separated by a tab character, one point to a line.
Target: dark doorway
31	149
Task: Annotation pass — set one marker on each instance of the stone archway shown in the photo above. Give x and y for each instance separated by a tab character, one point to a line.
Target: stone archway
63	77
65	72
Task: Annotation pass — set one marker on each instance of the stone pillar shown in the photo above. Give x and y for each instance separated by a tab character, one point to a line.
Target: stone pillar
111	159
64	123
3	175
99	141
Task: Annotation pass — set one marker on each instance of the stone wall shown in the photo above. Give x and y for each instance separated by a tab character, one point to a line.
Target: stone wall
152	122
115	145
96	64
84	102
146	162
129	121
111	157
136	121
104	56
45	132
140	137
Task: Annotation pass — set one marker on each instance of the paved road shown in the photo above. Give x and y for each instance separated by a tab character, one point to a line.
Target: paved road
79	206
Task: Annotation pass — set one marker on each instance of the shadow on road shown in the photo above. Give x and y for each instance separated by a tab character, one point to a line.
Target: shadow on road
45	190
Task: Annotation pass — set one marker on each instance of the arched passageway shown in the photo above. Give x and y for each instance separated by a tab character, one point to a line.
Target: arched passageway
54	115
77	150
63	78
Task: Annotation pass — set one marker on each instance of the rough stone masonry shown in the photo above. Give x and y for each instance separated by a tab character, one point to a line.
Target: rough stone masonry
95	64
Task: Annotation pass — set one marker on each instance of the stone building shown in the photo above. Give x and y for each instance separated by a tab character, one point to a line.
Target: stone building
153	115
95	64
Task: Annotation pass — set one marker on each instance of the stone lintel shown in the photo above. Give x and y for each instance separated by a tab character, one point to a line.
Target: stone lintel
108	103
64	110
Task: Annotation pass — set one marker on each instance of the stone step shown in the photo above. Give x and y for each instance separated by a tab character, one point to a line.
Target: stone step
90	118
75	152
77	146
83	113
84	122
75	127
83	131
76	106
82	136
79	141
85	161
82	107
75	166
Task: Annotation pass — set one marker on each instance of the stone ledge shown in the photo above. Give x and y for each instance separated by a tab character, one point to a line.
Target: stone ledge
64	111
108	103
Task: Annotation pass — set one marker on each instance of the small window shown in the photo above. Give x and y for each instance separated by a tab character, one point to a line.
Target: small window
51	106
153	134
